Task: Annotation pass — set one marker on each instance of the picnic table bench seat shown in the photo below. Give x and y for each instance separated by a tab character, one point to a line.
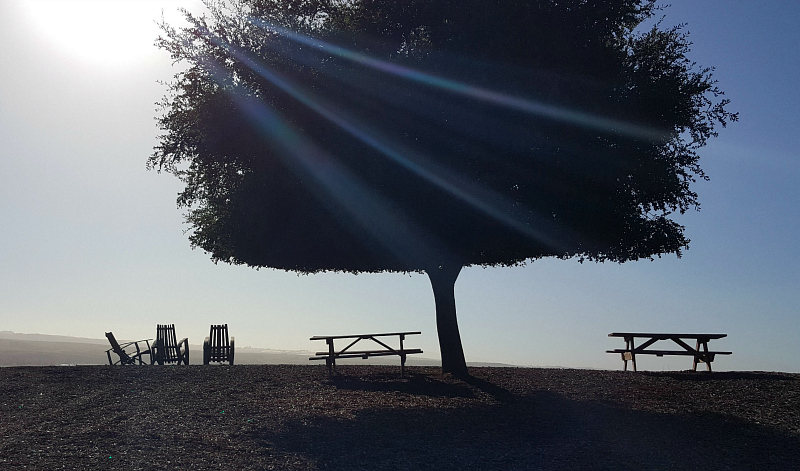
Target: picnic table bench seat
332	354
368	353
661	353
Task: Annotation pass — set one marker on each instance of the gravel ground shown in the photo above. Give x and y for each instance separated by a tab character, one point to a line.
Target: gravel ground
294	417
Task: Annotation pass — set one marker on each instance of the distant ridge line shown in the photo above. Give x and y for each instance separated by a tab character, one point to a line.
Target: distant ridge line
10	335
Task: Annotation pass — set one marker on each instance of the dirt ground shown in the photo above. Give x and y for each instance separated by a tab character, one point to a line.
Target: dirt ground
296	417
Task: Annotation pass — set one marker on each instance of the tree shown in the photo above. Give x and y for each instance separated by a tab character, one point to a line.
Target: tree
427	136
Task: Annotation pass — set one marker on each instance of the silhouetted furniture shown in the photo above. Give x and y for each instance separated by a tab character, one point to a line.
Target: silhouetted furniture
700	352
168	349
125	351
332	354
216	347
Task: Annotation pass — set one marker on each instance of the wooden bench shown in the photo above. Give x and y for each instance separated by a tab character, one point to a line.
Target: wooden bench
700	352
332	354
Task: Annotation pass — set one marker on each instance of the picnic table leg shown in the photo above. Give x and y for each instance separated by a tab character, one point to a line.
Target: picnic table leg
625	357
706	356
402	358
696	355
630	346
330	361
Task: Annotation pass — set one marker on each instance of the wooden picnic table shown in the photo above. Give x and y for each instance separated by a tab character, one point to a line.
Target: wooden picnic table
700	352
332	354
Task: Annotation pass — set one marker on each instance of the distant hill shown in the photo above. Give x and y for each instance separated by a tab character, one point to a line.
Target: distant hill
44	353
7	334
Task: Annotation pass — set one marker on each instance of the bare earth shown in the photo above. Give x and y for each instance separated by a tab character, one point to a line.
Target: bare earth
294	417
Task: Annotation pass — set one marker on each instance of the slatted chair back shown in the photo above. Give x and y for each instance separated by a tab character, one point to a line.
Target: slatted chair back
124	358
169	349
219	342
218	347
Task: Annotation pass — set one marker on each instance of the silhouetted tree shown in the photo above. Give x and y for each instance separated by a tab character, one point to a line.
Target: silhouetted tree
430	135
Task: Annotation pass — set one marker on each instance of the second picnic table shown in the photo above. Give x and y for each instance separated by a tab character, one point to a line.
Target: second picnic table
700	352
332	354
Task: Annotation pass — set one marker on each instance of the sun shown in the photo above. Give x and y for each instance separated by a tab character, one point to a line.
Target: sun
107	33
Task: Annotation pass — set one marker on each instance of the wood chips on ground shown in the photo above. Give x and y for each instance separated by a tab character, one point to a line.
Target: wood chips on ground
295	417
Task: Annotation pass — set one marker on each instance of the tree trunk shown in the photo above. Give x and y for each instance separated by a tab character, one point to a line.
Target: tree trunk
443	282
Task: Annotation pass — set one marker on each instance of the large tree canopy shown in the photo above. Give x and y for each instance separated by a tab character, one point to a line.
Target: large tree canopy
430	135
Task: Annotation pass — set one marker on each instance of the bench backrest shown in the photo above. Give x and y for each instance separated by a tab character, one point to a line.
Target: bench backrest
167	343
123	357
219	343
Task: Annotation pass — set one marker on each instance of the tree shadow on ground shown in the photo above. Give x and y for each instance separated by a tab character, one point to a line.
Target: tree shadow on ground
540	431
421	384
498	393
416	384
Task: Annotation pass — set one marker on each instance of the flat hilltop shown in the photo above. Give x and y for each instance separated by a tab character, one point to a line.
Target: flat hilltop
296	417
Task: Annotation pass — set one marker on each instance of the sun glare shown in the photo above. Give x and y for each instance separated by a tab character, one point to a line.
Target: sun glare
109	33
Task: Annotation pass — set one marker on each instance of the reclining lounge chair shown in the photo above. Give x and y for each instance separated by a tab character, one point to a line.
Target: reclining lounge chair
125	351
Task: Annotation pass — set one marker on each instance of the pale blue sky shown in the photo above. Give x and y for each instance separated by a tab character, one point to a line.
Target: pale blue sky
91	242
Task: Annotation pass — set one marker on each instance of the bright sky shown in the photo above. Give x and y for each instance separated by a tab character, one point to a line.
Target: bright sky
92	242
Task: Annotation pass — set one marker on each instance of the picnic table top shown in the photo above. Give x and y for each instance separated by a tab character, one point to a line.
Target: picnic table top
663	336
326	337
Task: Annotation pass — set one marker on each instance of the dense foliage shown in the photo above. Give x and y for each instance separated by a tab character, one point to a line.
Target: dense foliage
397	169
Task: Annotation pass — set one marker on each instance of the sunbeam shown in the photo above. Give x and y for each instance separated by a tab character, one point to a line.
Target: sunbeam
556	113
481	198
405	239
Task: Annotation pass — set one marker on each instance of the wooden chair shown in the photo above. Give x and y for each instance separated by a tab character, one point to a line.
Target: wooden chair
128	358
168	349
216	347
